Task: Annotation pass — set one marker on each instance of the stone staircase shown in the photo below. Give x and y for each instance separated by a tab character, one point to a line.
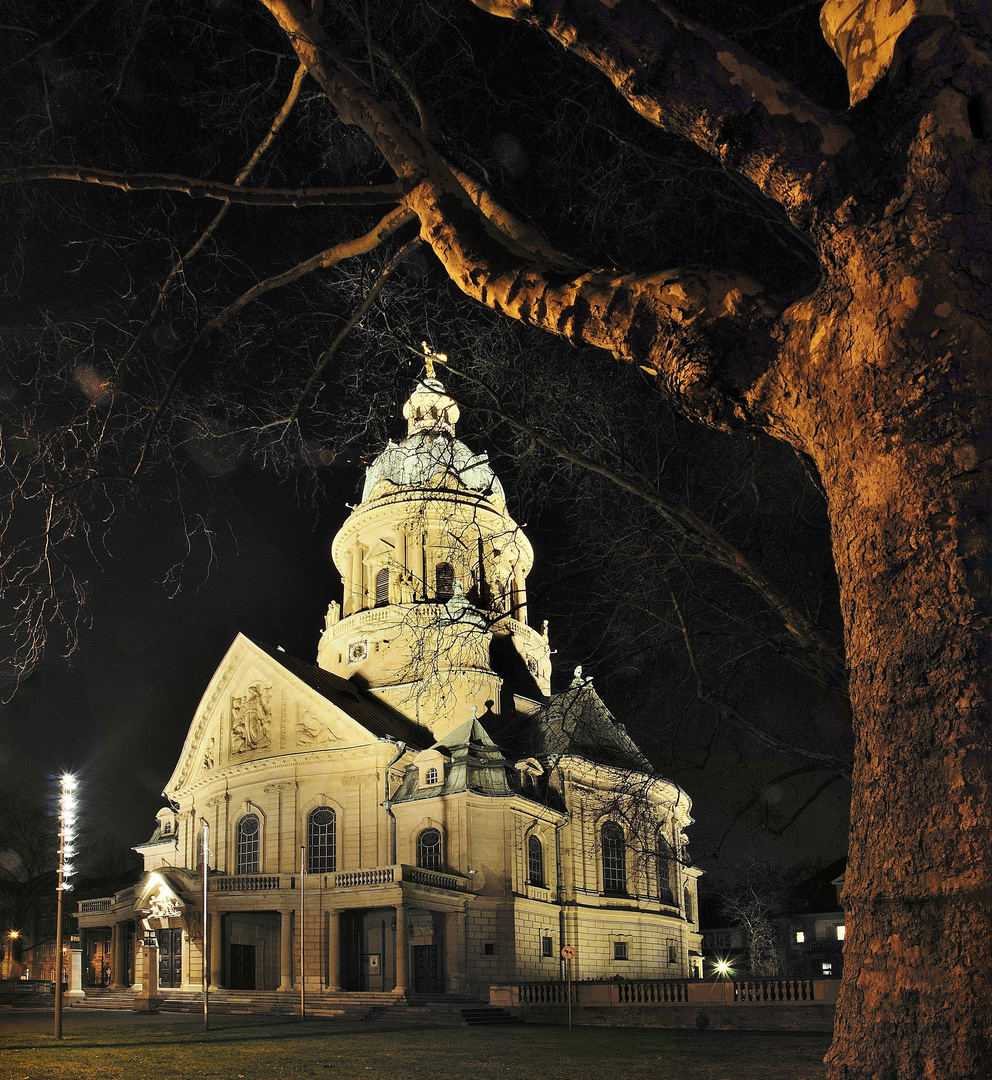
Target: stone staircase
443	1011
99	998
434	1011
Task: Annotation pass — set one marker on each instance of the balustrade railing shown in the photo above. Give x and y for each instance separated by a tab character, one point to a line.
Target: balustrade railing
660	992
341	879
760	990
544	993
94	905
248	883
381	875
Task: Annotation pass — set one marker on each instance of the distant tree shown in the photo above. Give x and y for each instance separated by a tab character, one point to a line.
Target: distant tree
755	896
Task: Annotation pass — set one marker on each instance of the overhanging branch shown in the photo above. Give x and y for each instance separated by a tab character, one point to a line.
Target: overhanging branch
209	189
687	79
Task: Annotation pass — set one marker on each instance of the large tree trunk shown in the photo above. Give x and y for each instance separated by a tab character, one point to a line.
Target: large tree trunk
901	430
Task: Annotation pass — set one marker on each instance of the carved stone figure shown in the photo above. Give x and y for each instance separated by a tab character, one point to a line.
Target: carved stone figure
310	730
208	755
163	905
251	717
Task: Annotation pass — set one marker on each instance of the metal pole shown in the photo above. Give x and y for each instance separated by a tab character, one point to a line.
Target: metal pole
67	833
303	936
206	939
568	969
58	961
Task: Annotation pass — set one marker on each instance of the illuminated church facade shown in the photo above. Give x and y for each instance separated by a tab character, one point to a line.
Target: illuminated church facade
458	823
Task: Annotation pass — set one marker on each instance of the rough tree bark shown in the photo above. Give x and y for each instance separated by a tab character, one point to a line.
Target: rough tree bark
881	376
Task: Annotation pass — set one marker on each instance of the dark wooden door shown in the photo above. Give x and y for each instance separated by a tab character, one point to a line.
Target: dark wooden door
242	967
427	977
170	958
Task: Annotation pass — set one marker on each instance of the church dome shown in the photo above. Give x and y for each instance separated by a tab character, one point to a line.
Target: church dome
430	455
422	459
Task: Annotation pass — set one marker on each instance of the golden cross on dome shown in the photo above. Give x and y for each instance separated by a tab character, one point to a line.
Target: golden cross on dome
430	356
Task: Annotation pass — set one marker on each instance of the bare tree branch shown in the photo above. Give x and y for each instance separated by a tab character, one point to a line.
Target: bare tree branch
392	222
694	82
180	264
209	189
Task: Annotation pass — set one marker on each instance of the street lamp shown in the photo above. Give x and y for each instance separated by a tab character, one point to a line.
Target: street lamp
67	851
723	968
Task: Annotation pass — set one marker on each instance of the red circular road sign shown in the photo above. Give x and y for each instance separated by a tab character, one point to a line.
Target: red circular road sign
568	952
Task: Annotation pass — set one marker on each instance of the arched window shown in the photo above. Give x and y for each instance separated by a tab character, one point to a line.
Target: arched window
249	833
429	849
687	897
322	841
430	777
535	861
382	588
666	871
614	860
444	580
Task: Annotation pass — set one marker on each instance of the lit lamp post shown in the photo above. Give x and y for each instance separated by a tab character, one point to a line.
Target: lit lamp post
67	836
12	936
206	927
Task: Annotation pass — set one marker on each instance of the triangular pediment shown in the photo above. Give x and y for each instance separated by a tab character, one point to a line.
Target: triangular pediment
255	708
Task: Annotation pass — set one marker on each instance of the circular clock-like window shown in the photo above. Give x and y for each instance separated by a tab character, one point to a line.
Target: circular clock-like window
358	650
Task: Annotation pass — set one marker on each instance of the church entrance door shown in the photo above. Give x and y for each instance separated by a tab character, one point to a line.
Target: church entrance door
242	967
427	977
170	958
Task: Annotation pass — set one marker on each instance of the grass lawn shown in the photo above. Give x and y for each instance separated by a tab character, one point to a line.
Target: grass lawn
108	1048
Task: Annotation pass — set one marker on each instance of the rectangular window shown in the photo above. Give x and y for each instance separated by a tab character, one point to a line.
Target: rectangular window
620	950
488	949
547	946
826	968
673	957
841	930
800	937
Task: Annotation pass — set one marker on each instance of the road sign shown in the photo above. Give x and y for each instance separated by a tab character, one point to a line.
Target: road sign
568	952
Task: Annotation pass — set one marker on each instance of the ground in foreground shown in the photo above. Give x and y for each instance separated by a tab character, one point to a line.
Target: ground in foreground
123	1046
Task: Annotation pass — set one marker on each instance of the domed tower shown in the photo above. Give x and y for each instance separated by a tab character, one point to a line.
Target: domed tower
434	572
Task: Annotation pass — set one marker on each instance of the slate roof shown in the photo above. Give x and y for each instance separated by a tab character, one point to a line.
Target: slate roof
374	714
476	764
577	722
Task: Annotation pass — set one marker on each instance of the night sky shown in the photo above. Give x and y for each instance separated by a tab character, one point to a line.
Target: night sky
117	710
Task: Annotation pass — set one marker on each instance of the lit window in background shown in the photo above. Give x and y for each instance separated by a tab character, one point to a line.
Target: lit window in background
840	932
800	937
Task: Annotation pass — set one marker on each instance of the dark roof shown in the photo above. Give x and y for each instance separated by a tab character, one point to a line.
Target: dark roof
365	708
577	722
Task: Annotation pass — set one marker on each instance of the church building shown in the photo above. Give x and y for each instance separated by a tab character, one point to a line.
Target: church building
416	813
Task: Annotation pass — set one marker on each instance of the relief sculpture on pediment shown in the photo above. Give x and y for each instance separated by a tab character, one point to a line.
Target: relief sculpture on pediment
251	719
314	732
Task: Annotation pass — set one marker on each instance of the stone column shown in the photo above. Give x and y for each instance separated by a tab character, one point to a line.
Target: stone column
216	950
75	974
401	950
116	968
148	1000
285	950
334	950
454	952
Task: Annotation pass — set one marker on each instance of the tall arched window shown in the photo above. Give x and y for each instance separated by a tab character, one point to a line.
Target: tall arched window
666	871
382	588
614	860
429	849
687	897
444	580
535	861
322	841
249	834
